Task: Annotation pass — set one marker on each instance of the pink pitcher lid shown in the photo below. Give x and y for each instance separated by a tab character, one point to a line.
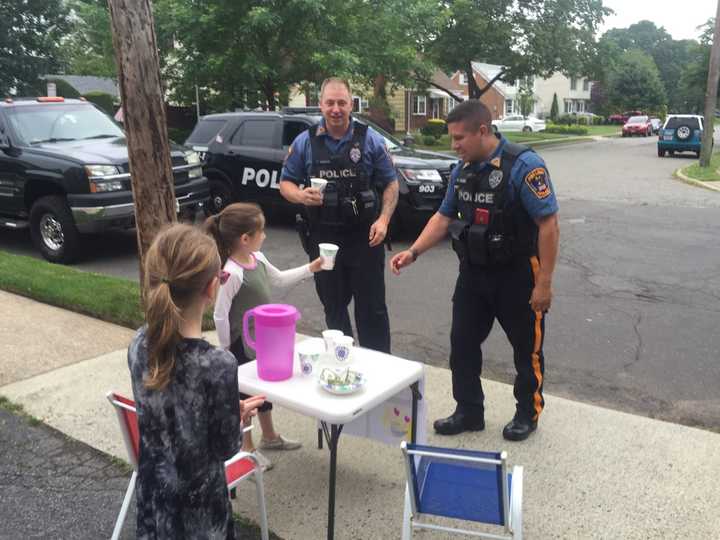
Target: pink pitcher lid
275	314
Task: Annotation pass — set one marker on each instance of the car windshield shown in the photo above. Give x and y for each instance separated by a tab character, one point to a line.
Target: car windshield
675	122
637	120
391	142
205	130
55	122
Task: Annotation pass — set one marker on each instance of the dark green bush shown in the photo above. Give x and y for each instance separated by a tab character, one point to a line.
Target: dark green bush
102	100
429	140
435	127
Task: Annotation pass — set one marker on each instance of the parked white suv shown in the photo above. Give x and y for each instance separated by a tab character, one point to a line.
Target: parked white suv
518	123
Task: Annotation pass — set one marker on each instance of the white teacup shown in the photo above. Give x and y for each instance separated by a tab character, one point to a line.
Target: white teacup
330	336
343	349
310	352
319	183
328	252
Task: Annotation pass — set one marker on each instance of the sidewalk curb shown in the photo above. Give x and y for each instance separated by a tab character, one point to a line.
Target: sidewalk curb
699	183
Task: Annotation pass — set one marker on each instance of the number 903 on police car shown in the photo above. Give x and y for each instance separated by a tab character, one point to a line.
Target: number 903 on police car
426	188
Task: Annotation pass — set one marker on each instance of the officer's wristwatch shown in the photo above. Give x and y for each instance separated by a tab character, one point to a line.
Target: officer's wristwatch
413	253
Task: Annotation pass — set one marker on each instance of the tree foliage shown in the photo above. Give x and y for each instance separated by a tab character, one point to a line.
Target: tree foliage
88	49
30	35
534	37
635	83
670	56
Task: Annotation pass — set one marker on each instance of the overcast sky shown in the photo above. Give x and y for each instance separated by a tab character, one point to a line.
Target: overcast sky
679	17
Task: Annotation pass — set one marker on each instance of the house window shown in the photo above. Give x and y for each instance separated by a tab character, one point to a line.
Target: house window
586	85
420	106
463	78
580	106
568	106
360	104
509	106
573	83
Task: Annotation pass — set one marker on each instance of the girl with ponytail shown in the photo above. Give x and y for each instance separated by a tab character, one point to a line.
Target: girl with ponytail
239	231
186	393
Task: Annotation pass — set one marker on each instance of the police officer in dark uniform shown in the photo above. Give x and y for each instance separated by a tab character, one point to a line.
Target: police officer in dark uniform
353	212
501	213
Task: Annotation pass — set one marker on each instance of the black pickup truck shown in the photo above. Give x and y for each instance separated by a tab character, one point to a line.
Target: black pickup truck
243	154
64	170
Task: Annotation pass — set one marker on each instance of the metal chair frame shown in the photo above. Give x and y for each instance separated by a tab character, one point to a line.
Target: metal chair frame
511	498
122	404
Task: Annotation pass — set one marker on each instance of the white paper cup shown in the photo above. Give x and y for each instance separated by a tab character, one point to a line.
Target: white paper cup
330	336
343	349
310	353
318	183
328	252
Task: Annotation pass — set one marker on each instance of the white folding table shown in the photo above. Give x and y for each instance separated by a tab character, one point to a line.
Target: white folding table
386	376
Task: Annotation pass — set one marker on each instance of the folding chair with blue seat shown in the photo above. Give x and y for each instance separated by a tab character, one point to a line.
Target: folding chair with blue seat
462	484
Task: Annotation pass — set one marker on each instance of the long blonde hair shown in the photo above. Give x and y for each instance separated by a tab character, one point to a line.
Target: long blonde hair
179	265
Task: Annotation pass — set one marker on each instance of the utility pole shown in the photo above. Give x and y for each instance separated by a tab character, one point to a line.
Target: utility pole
144	118
711	94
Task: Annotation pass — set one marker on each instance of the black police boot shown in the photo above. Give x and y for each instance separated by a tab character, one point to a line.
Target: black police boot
519	428
458	422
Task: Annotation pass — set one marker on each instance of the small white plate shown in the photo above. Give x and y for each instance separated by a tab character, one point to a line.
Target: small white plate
355	381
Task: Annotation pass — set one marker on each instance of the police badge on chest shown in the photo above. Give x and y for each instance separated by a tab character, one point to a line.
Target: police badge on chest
495	178
355	154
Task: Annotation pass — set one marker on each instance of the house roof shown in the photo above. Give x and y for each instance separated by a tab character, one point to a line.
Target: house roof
86	83
488	72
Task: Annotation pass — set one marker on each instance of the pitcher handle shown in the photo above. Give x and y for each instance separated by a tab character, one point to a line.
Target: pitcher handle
246	329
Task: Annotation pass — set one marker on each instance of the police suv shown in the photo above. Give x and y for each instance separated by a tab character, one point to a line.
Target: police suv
244	153
64	170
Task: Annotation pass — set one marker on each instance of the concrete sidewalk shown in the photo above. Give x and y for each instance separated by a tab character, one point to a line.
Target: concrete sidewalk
589	472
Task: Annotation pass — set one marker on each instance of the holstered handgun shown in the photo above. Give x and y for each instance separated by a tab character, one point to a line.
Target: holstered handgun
303	229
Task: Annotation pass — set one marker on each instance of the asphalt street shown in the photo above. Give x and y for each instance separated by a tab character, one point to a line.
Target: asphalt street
634	321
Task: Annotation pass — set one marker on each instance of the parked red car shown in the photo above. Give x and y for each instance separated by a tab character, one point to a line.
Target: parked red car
637	125
619	118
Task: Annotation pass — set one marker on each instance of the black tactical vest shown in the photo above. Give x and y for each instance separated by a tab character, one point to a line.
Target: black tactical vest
349	199
488	231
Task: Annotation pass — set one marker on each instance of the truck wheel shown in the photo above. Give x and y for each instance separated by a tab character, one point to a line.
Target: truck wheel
221	195
527	129
53	229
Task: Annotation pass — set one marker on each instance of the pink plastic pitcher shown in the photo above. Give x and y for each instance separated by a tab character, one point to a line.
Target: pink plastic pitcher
274	341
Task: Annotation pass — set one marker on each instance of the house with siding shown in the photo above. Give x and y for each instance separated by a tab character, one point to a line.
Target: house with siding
502	99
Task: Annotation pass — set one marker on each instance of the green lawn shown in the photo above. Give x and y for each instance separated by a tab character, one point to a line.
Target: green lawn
704	174
111	299
605	131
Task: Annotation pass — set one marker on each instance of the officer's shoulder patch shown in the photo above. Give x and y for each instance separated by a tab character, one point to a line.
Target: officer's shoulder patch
287	156
537	182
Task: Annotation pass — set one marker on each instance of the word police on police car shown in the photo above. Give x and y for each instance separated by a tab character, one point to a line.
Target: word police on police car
262	177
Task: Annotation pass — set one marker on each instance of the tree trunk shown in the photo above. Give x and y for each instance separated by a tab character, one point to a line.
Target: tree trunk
379	107
473	88
711	94
144	118
269	91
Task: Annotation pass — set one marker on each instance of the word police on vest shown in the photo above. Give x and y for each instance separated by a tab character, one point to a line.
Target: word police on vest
488	198
342	173
262	177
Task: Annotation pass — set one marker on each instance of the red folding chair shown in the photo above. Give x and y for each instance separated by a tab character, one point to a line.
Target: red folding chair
242	465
